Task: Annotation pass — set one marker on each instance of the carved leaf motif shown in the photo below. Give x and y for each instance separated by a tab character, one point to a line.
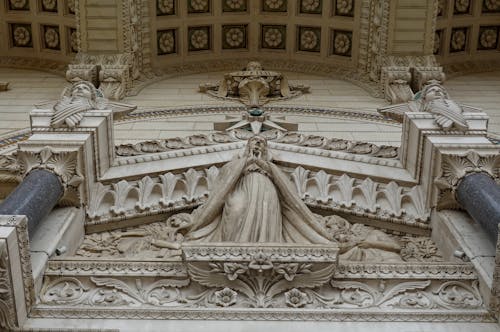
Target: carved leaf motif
63	164
212	174
45	154
118	285
96	198
191	179
393	194
122	190
168	182
401	288
369	190
303	280
28	160
455	294
417	197
210	279
146	186
322	181
299	177
63	291
454	168
356	293
345	185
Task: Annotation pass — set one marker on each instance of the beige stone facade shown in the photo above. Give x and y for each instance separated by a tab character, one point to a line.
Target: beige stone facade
318	193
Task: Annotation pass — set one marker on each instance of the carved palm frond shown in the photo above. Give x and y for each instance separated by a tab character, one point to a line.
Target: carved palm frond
303	280
218	279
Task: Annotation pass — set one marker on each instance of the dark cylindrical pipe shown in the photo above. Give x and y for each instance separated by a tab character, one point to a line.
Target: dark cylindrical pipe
35	197
479	195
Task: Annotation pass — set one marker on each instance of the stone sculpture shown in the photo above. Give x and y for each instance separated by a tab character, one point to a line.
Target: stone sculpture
432	99
253	86
435	99
81	97
254	202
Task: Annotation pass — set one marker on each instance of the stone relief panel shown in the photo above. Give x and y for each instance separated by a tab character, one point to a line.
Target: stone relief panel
36	31
23	5
488	37
234	6
289	287
344	8
342	43
48	5
173	191
273	36
458	42
21	35
167	41
310	6
461	7
199	6
309	38
199	38
274	5
491	6
234	36
51	37
166	7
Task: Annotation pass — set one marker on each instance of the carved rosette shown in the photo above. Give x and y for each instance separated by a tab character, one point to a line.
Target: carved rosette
62	163
454	167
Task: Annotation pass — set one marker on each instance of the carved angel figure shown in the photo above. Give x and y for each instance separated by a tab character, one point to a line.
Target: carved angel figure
254	201
80	97
361	243
436	100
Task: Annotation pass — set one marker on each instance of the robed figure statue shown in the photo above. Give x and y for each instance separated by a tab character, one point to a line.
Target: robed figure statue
253	201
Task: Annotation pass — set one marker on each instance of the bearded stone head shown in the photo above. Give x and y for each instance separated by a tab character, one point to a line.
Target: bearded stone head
257	147
254	66
434	91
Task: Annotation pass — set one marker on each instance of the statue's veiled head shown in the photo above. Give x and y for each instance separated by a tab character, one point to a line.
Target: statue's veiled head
434	91
83	89
257	147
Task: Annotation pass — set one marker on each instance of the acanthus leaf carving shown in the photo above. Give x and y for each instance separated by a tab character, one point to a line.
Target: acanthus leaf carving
454	167
62	163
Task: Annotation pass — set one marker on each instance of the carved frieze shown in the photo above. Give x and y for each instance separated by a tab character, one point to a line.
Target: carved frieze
293	138
350	300
170	191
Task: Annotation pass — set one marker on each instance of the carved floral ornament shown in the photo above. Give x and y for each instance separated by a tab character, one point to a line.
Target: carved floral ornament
455	167
286	286
64	164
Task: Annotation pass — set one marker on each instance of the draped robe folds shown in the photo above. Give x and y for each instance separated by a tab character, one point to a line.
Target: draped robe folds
69	110
253	207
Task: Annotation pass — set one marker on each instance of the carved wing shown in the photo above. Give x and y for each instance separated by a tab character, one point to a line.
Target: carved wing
449	117
303	280
217	279
48	104
119	285
395	112
119	109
